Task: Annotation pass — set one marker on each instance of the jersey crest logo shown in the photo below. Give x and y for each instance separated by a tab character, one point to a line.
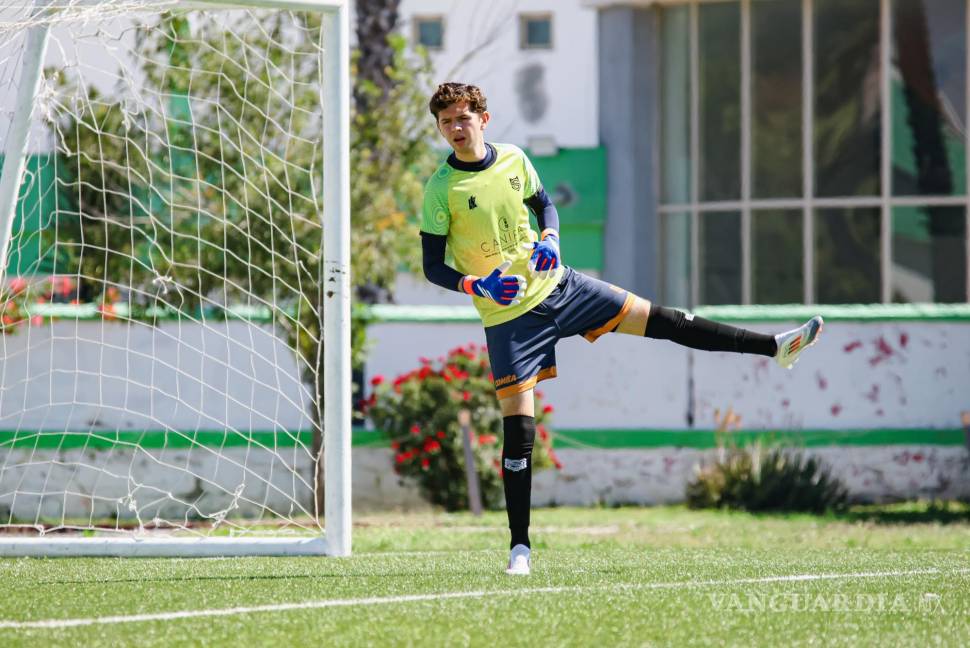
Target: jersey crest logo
471	202
514	181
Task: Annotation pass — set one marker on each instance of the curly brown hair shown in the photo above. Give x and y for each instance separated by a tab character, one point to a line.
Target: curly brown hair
452	93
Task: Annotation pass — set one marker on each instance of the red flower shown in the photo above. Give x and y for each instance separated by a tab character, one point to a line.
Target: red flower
440	434
547	409
425	372
465	396
18	284
430	445
543	432
395	445
376	380
399	458
425	463
424	361
415	430
63	285
36	320
487	439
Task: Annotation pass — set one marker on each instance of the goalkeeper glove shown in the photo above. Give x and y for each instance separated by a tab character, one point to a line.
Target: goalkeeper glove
545	255
500	289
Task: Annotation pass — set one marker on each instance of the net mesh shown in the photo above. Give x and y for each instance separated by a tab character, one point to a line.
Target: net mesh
161	328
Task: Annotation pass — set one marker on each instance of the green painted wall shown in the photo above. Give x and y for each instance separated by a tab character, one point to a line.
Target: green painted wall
568	438
35	208
577	177
576	181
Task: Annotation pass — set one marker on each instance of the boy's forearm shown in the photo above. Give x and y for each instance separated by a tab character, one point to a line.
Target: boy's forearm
433	262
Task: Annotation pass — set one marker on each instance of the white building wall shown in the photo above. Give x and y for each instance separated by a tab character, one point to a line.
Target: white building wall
530	92
110	376
547	92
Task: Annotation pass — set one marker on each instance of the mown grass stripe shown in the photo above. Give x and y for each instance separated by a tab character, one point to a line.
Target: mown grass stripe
615	439
442	596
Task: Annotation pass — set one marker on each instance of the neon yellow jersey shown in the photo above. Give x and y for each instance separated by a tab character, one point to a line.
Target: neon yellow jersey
486	221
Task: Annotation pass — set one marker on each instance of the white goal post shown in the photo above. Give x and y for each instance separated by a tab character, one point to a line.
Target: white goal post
257	377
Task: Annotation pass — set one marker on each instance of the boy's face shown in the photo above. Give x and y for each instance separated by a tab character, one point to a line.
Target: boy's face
464	130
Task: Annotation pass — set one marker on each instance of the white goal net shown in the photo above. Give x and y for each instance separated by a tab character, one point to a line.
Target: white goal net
174	277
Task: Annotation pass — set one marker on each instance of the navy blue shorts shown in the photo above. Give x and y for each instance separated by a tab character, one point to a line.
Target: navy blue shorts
522	351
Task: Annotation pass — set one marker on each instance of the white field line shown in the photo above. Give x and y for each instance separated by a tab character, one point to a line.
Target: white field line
443	596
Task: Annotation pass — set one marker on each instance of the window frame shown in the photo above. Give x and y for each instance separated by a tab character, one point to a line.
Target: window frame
524	20
418	20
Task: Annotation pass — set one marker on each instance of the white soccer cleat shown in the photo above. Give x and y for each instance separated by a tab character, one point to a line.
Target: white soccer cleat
519	561
792	343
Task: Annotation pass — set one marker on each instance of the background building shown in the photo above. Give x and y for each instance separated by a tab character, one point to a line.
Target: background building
535	60
779	151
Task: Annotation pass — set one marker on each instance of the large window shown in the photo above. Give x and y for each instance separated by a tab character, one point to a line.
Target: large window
776	99
719	101
814	151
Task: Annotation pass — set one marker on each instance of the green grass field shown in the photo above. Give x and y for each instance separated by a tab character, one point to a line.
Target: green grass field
629	576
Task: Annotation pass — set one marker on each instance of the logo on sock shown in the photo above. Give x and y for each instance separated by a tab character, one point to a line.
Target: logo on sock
515	465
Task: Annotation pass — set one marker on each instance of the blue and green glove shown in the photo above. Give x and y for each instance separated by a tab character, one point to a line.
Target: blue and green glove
501	289
545	254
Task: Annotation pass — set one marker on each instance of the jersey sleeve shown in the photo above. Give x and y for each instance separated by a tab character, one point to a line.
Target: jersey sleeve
532	183
435	216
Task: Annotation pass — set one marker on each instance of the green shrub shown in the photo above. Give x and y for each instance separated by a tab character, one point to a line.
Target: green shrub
760	479
418	414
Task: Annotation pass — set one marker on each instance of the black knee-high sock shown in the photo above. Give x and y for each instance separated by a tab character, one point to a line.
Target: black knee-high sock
520	435
699	333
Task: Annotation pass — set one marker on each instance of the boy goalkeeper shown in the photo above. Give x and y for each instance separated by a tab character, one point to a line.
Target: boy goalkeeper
477	203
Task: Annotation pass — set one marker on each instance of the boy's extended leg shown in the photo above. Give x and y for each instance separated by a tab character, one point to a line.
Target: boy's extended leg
518	420
664	323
